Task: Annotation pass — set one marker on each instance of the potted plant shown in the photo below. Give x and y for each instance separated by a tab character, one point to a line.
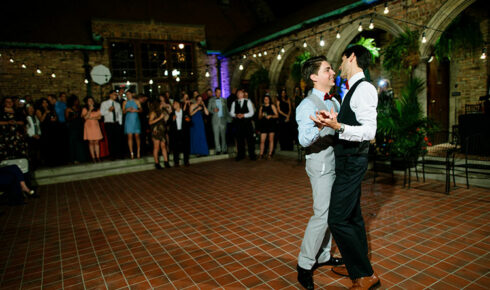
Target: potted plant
406	127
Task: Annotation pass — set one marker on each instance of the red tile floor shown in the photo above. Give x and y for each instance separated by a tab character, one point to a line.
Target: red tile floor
233	225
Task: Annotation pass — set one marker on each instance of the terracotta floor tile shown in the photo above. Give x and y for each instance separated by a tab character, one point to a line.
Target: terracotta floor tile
154	229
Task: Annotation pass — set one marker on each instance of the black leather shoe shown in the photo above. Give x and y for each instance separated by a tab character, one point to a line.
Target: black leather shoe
305	278
331	262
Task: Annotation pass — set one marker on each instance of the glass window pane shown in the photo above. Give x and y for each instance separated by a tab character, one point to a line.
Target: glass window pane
153	60
123	60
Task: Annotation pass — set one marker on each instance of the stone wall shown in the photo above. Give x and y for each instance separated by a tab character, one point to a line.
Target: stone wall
68	64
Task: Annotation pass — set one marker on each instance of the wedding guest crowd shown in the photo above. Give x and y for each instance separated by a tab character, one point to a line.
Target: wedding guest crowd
59	129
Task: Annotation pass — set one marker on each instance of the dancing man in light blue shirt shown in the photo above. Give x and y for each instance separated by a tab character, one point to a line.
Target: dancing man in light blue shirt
320	167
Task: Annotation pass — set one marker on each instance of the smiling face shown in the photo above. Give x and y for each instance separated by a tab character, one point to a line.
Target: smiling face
324	80
346	66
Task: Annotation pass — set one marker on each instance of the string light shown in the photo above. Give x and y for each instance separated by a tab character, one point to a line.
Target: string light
38	70
165	72
322	42
177	79
240	67
304	44
207	74
483	53
371	24
181	45
53	75
338	34
283	50
386	11
150	82
24	66
265	52
254	55
260	54
424	40
244	56
279	56
360	27
11	60
85	81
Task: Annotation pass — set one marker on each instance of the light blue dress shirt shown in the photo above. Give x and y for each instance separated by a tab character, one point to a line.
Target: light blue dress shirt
308	133
220	108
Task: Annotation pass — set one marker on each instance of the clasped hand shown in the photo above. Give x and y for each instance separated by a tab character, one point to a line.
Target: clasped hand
325	118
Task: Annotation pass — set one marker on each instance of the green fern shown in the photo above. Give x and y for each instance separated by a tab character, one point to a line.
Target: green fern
370	45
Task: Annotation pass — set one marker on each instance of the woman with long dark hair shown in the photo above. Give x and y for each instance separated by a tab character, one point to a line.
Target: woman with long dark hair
75	123
267	117
285	125
157	120
91	132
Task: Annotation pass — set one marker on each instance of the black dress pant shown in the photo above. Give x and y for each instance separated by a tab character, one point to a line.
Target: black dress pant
10	178
180	143
345	218
244	133
114	136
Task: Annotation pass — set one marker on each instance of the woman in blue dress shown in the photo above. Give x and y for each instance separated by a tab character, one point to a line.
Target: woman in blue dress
199	144
132	126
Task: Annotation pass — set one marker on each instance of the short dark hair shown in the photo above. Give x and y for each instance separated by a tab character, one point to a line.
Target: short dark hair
217	88
363	55
311	66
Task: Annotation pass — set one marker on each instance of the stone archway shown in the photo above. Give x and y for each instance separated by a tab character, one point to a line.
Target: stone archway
238	74
350	31
277	65
440	21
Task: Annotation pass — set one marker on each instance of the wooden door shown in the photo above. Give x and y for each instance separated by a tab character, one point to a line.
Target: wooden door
438	97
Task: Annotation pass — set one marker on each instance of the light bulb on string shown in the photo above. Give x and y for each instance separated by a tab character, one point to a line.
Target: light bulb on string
150	82
244	56
260	54
305	44
181	45
240	67
165	72
38	70
424	40
322	42
206	74
128	83
53	75
386	10
360	27
279	56
11	60
24	66
283	50
265	52
254	55
177	79
483	53
371	24
338	34
85	81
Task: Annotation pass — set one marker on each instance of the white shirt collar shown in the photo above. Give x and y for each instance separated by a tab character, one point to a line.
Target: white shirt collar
355	78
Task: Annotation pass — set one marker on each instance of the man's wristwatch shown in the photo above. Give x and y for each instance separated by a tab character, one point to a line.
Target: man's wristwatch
341	129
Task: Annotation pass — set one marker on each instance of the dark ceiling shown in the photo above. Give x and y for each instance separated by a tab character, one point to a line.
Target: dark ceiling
228	23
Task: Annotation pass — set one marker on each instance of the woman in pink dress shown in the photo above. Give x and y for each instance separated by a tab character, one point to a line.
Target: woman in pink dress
91	132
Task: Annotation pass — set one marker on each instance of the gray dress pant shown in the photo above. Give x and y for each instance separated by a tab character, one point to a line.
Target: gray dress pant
219	130
317	240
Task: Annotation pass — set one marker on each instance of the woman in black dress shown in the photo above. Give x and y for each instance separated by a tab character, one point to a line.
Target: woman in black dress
285	123
267	118
49	128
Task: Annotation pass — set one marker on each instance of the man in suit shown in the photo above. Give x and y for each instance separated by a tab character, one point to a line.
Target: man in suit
242	112
218	108
356	126
318	142
113	116
180	123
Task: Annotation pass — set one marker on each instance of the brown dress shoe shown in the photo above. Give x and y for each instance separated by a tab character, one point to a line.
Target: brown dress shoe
340	270
365	283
